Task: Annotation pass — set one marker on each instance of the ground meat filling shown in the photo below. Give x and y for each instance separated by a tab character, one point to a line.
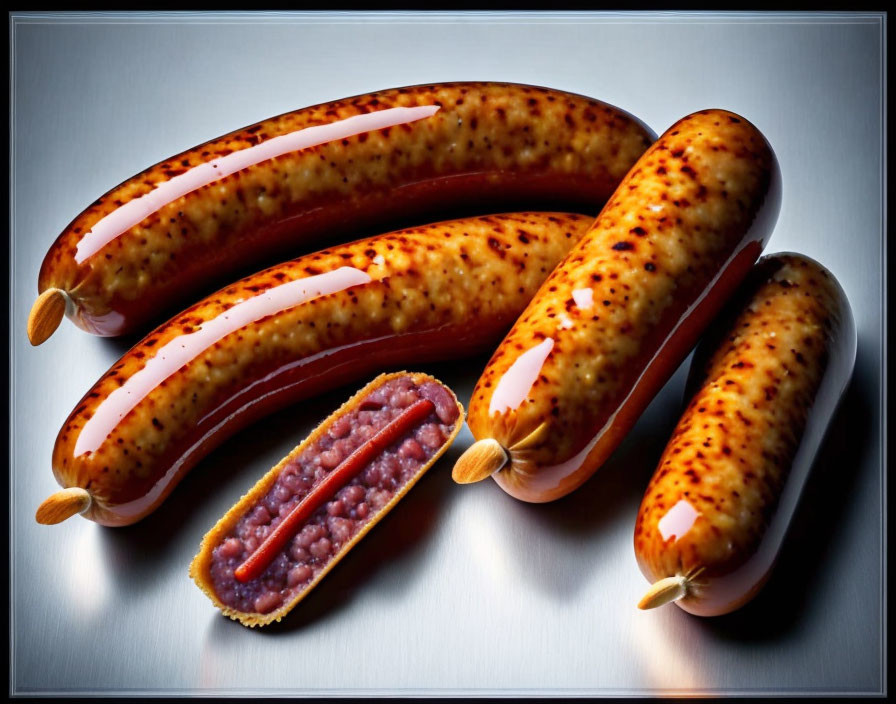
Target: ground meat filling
333	525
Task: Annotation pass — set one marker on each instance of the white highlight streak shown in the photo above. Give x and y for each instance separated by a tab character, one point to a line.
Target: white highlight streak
678	520
515	384
135	211
181	350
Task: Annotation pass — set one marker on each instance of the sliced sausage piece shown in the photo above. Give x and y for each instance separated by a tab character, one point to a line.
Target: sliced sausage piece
284	535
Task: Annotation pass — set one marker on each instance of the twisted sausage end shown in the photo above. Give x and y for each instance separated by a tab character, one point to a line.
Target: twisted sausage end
482	459
62	505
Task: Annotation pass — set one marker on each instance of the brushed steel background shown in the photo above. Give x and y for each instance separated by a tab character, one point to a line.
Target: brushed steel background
460	590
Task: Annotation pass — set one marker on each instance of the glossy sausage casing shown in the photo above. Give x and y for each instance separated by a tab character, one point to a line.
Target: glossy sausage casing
436	292
489	146
620	313
764	386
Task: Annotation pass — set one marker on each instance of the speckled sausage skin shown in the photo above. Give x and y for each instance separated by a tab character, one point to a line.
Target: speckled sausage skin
489	147
440	291
628	303
768	378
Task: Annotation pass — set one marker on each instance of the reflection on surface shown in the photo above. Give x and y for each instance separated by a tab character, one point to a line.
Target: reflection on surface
678	520
485	540
86	581
517	381
670	648
584	298
134	211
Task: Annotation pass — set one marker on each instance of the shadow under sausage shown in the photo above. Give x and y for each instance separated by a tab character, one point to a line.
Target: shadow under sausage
787	597
120	345
595	512
397	544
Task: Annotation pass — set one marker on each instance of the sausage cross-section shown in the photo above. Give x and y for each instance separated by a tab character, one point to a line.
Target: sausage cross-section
277	543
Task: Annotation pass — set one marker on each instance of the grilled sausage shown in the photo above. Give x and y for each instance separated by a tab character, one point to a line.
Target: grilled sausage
276	544
269	190
767	381
620	313
437	292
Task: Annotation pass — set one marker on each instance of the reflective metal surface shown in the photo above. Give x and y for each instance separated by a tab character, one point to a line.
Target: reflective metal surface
461	590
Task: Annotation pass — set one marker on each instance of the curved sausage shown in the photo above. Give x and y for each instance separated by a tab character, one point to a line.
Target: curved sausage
620	313
280	539
271	189
768	378
437	292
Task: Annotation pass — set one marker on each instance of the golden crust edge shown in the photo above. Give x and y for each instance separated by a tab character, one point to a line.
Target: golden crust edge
201	562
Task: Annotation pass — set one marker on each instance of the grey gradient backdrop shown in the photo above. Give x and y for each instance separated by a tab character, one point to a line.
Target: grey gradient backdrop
458	590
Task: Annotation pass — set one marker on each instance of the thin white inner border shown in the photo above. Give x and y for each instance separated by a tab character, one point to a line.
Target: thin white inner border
481	17
438	17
